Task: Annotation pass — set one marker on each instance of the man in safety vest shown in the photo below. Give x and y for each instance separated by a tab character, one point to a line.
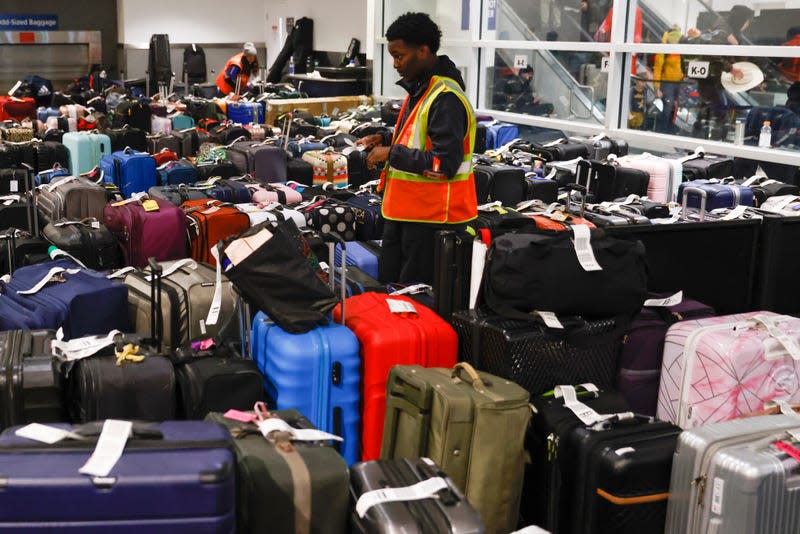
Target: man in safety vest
427	182
238	68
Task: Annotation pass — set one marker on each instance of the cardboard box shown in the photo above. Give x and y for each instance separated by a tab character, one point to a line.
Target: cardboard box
315	106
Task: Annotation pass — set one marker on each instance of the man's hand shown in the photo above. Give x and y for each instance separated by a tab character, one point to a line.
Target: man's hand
737	73
377	155
370	141
234	98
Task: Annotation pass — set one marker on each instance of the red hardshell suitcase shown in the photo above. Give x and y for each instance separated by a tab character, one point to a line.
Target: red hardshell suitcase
211	221
387	339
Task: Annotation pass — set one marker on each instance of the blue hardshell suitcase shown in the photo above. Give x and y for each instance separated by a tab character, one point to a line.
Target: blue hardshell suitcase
363	255
227	190
82	301
318	373
715	194
130	170
173	477
246	112
500	133
176	172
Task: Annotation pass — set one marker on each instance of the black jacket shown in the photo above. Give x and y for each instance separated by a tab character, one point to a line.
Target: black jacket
447	126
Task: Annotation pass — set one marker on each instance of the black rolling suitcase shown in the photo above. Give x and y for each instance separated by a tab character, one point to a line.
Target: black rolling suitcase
445	511
606	181
49	153
452	257
591	476
124	137
507	183
701	166
536	357
30	389
87	240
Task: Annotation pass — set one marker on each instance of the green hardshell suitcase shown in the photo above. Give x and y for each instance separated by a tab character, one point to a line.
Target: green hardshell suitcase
287	486
470	423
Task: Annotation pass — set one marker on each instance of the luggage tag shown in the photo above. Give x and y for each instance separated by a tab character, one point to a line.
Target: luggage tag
7	200
550	319
268	423
108	451
426	489
46	434
79	348
56	274
401	306
668	302
583	248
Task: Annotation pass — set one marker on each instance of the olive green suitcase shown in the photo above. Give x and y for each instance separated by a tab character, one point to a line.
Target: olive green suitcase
470	423
291	487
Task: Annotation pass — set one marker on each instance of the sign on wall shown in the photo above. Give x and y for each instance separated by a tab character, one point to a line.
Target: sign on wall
491	15
16	22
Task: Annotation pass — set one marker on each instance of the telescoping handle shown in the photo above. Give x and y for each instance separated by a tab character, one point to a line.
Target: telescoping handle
336	238
580	189
685	202
156	319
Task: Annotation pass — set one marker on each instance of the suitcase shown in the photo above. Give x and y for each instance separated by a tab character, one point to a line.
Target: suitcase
300	146
177	194
165	155
46	176
160	233
452	260
499	133
49	154
15	212
60	294
134	114
14	181
300	171
187	294
164	142
223	170
228	190
328	166
369	219
736	477
266	194
209	221
363	255
245	112
543	189
215	380
266	163
701	166
160	125
417	336
446	510
85	150
642	350
763	188
471	424
609	181
131	171
507	183
70	197
601	146
181	122
587	477
30	389
330	215
539	358
176	173
304	482
663	185
179	474
122	138
710	195
358	282
734	364
189	141
86	240
271	212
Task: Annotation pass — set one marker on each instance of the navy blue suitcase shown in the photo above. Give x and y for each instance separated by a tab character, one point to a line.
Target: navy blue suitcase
500	133
177	172
131	171
712	195
227	190
174	477
369	219
82	301
361	255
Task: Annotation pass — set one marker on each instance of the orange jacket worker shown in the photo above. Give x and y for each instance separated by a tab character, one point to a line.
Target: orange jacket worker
427	183
241	67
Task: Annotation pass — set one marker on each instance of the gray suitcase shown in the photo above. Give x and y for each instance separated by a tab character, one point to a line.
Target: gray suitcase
447	511
728	478
69	197
187	294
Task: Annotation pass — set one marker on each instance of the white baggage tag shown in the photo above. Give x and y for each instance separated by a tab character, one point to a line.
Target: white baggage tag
550	319
753	179
410	290
109	448
735	213
583	248
400	306
79	348
9	199
716	495
668	302
421	490
13	186
216	301
45	434
274	424
121	272
587	415
479	251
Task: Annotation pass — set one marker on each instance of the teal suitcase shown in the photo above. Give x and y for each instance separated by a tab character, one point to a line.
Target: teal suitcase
182	122
85	150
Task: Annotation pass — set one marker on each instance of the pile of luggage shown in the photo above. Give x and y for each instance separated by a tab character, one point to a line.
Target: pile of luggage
192	294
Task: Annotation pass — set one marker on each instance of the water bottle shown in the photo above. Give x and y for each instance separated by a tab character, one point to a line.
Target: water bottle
291	64
765	138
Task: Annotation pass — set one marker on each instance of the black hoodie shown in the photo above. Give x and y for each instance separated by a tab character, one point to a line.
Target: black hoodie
447	125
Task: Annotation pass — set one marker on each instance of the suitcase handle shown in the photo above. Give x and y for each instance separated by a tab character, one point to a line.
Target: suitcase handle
685	203
474	377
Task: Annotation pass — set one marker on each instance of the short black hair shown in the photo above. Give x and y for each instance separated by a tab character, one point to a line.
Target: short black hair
791	32
415	29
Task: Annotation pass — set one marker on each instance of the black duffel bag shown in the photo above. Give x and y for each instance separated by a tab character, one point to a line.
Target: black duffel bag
540	271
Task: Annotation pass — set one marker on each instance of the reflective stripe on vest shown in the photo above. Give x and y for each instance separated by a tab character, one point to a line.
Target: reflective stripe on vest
417	198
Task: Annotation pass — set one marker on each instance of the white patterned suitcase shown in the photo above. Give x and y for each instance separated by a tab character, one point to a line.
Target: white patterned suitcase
737	477
721	368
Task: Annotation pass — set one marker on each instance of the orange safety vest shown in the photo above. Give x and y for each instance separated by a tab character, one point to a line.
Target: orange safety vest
222	82
417	198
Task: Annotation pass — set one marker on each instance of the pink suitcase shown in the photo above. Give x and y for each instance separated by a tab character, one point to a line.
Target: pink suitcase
266	194
160	125
664	183
721	368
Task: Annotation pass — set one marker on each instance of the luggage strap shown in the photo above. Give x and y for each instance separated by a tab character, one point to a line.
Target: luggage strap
779	342
587	415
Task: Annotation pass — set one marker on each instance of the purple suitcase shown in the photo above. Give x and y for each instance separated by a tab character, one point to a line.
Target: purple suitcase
176	477
143	234
643	347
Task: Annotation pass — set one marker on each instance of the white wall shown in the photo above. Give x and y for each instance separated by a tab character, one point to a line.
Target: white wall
188	21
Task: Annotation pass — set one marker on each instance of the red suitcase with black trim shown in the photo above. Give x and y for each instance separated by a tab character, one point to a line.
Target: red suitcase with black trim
392	338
